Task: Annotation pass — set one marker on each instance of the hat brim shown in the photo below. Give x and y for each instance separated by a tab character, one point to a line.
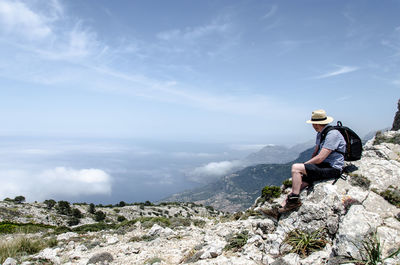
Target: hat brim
326	121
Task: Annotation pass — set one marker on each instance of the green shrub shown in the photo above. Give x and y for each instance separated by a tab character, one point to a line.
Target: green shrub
27	228
50	203
360	181
392	195
99	216
63	207
19	199
92	208
199	223
287	183
121	218
73	221
76	213
304	243
270	192
148	203
237	241
93	227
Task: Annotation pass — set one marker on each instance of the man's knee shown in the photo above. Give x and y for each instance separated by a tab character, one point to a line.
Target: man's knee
298	168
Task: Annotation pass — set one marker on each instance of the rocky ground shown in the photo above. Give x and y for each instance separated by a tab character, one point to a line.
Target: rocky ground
330	227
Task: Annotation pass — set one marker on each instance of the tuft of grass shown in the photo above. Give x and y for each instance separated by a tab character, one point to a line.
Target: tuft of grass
152	261
142	238
22	246
304	243
370	251
238	241
392	195
360	181
93	227
199	223
270	192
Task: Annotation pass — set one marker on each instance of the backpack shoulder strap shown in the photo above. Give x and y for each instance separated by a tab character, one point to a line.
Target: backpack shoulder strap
325	132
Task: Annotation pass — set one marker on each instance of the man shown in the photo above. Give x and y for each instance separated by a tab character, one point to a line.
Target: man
327	160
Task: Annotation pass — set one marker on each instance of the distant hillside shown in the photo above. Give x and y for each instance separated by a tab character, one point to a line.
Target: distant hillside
277	154
238	191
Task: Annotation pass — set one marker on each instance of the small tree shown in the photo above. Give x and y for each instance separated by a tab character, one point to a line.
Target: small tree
19	199
270	192
50	203
92	209
76	213
73	221
121	204
63	207
99	216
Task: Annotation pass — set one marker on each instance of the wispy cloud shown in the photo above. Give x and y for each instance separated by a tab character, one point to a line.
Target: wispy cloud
341	69
218	26
270	12
71	53
393	41
191	34
17	18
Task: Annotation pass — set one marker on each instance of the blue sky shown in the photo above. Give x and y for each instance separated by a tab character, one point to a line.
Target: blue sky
247	71
188	73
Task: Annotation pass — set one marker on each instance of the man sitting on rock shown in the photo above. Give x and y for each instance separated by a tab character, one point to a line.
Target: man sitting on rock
326	163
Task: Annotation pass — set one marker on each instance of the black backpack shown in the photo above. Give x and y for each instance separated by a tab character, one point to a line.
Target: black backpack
353	141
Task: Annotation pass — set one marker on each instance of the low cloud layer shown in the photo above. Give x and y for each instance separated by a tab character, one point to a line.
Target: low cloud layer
56	182
214	170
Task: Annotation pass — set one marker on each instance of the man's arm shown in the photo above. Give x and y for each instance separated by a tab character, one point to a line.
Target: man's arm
320	157
315	151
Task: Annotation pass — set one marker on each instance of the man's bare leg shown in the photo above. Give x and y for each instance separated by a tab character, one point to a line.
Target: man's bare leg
298	170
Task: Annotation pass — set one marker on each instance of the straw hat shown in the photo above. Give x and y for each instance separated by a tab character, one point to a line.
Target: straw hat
319	117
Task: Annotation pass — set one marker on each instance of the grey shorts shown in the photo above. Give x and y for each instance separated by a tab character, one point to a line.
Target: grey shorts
322	171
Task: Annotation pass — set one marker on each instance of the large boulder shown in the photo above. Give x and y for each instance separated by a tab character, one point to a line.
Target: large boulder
396	121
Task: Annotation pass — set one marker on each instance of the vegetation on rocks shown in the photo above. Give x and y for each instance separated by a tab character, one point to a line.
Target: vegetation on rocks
237	241
20	246
370	251
392	195
360	181
270	192
304	243
26	228
381	138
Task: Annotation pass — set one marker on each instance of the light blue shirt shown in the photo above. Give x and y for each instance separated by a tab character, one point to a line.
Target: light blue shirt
333	141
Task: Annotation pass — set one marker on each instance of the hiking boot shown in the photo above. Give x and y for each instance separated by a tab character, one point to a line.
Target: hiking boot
292	203
272	212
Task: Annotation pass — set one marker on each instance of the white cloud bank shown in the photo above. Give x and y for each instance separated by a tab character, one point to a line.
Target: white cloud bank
56	182
214	170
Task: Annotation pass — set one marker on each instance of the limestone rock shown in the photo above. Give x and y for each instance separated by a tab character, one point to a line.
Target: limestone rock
10	261
102	258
